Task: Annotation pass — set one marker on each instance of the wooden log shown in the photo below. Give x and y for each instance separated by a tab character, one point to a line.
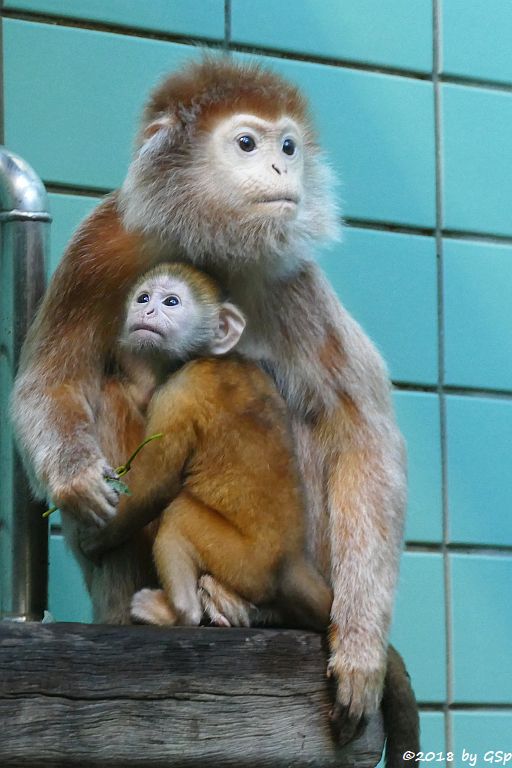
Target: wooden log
98	696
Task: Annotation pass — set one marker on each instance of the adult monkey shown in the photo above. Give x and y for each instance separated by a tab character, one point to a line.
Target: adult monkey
227	175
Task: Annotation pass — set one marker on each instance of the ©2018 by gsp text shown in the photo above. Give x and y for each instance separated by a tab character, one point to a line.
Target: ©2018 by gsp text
464	757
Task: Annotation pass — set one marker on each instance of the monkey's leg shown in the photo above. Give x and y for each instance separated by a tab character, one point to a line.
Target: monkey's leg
193	539
112	582
178	569
178	563
307	598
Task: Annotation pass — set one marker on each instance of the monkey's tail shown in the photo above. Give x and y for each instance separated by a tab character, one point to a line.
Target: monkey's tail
400	712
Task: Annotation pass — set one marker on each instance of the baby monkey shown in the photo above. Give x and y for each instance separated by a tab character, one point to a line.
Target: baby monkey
224	475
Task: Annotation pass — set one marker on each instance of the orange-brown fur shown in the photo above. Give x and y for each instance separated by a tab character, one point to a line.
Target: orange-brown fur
226	463
351	460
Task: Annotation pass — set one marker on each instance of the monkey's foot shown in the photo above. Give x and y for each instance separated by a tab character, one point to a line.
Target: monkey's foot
222	607
150	606
358	690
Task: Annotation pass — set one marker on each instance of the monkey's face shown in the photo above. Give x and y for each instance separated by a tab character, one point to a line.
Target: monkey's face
164	319
232	190
256	166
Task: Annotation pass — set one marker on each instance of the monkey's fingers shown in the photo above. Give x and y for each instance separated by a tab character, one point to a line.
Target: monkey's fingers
221	606
344	726
103	505
358	694
86	495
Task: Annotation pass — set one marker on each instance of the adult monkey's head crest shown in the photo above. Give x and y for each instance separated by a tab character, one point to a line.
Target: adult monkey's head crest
227	166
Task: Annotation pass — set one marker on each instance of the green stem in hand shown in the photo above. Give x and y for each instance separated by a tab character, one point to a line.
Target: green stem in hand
122	470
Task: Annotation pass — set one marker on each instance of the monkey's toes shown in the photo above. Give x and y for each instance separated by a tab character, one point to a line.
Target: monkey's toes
210	611
220	604
150	606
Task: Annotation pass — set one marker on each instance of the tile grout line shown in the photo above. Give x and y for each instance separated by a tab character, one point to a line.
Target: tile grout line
389	227
227	26
77	22
437	52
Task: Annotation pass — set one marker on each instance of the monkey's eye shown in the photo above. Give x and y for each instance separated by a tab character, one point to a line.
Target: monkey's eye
143	298
171	301
246	143
289	147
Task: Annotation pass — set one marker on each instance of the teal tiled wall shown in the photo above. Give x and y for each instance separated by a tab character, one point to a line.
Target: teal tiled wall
413	103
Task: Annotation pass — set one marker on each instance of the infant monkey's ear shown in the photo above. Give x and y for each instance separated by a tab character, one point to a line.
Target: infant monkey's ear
230	328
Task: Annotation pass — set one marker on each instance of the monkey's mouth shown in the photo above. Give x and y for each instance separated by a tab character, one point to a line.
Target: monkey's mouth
279	199
144	327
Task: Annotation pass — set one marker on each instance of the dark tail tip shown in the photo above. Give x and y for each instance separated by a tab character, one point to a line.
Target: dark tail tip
400	712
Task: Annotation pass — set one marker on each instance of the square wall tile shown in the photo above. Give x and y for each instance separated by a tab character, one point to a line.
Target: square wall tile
418	418
397	33
200	18
378	133
477	158
478	314
68	599
67	212
482	628
479	474
72	124
387	281
481	733
432	737
418	629
476	39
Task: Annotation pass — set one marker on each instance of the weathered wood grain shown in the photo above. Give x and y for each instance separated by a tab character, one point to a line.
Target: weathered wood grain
97	696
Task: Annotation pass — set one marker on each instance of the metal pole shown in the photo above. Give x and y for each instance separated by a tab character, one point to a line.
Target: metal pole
24	235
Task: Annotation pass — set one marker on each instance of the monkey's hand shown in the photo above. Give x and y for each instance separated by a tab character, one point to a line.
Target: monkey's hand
92	543
358	687
86	495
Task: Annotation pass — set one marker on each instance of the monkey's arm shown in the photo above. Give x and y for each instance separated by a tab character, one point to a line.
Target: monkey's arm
156	477
354	462
58	387
366	496
366	501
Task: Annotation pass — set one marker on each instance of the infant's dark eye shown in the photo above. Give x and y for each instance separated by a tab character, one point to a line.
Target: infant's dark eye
143	298
171	301
289	147
246	143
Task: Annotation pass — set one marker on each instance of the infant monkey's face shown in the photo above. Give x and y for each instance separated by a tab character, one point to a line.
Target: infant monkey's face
161	316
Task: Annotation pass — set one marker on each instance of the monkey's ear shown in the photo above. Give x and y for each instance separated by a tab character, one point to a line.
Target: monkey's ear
165	122
231	327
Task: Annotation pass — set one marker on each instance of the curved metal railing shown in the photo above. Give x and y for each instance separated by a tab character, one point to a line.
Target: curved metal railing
24	237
